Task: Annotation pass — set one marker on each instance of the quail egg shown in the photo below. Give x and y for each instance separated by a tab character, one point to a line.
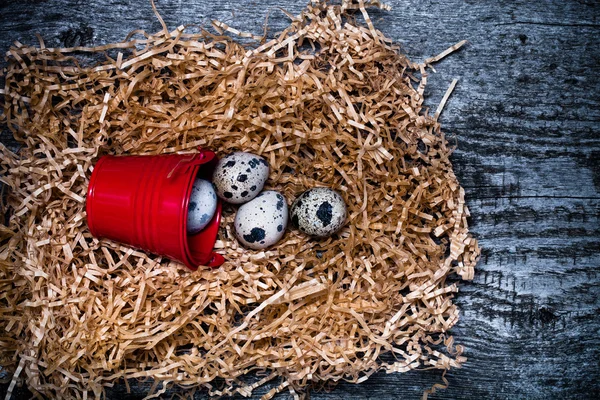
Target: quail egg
319	212
239	177
261	222
202	206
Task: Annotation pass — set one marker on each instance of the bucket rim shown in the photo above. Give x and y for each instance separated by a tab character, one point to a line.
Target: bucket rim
201	158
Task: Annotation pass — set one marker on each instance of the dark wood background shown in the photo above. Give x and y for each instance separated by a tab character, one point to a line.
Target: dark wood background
526	113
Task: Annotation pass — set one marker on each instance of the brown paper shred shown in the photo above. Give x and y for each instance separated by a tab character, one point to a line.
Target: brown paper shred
445	99
446	52
330	103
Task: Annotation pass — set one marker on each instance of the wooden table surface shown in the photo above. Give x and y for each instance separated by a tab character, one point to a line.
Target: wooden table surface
526	113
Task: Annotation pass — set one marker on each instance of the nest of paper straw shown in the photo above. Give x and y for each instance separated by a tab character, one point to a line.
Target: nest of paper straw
329	102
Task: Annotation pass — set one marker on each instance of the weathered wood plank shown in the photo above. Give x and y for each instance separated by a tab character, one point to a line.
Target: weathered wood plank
526	114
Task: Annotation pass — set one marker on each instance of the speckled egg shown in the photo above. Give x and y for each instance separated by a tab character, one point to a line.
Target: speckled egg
202	206
240	176
319	212
261	222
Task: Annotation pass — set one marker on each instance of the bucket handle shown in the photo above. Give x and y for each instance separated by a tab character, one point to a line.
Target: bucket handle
202	157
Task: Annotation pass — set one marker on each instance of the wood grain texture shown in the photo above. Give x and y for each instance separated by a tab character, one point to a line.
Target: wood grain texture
526	114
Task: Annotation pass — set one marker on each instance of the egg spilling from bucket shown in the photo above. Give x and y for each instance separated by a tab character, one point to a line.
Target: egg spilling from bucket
240	176
261	222
202	206
319	212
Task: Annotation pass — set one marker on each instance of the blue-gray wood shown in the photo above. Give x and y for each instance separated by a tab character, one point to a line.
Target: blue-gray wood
526	114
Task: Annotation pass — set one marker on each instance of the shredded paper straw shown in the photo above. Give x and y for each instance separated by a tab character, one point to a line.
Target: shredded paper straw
329	102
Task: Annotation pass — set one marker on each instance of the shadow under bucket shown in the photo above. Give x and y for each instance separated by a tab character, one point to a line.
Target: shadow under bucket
143	201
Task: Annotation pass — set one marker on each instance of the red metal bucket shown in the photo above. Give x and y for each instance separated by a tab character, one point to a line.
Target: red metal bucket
143	201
